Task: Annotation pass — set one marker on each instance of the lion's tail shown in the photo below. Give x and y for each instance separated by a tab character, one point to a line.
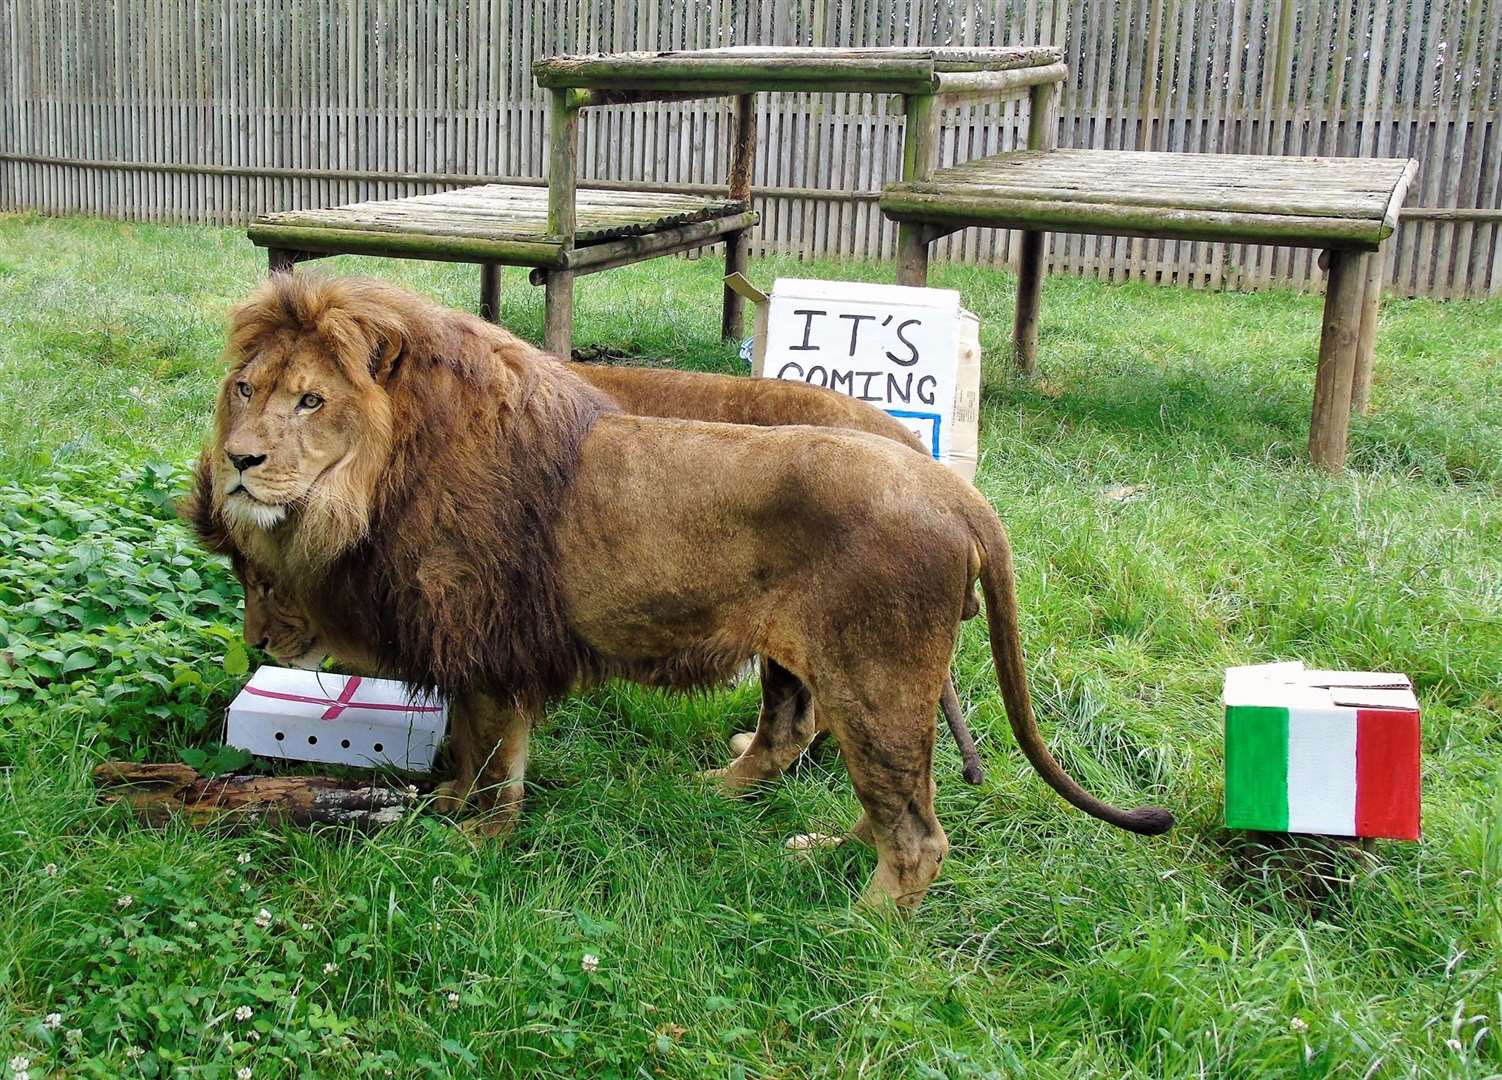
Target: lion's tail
999	588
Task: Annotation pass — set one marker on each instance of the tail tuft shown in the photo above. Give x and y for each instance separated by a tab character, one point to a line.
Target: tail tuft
1148	820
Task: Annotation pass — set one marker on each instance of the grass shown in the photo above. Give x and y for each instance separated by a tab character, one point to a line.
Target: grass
1051	945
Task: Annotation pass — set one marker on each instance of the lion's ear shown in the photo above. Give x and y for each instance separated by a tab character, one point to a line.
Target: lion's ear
385	357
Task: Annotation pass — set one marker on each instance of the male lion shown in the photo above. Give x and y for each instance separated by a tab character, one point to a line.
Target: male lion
485	524
278	625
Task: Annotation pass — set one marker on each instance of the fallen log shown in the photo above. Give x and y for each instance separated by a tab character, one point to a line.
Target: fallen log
160	793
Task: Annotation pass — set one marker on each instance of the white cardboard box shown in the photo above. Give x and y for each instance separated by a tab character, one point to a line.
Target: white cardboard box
344	719
912	352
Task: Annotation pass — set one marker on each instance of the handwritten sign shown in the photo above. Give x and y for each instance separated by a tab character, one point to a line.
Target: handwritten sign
911	352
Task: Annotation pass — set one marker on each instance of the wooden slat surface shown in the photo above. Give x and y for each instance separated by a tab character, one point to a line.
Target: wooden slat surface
511	212
786	68
1321	187
1336	200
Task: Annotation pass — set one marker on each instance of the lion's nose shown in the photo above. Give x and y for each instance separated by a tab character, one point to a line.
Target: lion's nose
246	461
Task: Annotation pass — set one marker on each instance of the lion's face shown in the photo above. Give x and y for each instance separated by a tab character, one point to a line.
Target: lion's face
289	417
303	424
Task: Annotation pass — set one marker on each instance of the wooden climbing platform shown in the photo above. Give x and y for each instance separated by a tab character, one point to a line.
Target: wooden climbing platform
508	224
1303	201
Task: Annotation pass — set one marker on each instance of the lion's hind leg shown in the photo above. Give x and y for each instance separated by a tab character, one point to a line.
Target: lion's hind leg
783	731
890	760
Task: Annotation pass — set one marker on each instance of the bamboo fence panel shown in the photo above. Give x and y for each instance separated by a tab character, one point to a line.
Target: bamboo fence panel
190	111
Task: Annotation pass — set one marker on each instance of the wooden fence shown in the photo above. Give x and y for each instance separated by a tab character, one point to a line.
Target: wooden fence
217	110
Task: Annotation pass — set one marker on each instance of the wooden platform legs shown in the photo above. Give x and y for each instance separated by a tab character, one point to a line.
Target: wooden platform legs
1345	291
1029	296
738	183
490	292
1366	337
563	139
734	304
282	260
558	331
912	254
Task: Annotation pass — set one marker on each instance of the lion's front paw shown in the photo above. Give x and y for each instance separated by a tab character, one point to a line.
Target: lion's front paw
492	825
448	799
732	782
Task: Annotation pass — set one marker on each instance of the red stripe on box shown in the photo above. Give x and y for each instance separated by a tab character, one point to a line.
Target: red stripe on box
1387	773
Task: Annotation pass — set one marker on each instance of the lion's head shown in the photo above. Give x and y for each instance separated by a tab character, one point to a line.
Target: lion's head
278	626
303	426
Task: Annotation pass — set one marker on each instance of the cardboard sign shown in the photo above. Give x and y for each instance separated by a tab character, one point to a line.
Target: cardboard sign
1329	752
345	719
914	353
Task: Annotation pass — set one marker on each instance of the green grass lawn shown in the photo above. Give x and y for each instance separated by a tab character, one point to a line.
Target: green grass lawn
1052	945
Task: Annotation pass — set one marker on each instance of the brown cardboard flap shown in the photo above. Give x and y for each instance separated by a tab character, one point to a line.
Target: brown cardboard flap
738	283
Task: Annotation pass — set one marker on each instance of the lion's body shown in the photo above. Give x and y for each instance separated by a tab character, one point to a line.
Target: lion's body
277	623
694	395
521	536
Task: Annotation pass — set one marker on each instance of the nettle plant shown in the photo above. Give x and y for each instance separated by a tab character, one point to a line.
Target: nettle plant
111	618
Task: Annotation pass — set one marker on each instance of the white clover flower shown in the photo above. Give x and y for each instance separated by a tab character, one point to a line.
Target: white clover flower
135	1053
1298	1024
244	1013
411	793
243	858
190	925
52	869
263	918
590	963
307	926
1454	1044
330	967
73	1034
124	901
52	1021
453	999
19	1063
244	1073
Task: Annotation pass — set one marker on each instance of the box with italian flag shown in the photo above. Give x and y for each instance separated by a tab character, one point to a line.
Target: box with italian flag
1329	752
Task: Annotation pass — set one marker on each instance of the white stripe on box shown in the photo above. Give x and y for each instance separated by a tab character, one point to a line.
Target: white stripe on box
1322	771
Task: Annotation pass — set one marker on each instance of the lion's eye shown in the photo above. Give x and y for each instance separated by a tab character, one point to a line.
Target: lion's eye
309	402
244	388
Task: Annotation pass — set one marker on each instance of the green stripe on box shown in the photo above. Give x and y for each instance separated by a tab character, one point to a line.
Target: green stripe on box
1256	767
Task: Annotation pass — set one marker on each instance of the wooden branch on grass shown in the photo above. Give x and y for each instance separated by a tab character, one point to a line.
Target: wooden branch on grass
163	793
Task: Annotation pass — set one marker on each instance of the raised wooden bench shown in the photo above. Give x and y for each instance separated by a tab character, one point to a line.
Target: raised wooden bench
562	230
499	225
1345	206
